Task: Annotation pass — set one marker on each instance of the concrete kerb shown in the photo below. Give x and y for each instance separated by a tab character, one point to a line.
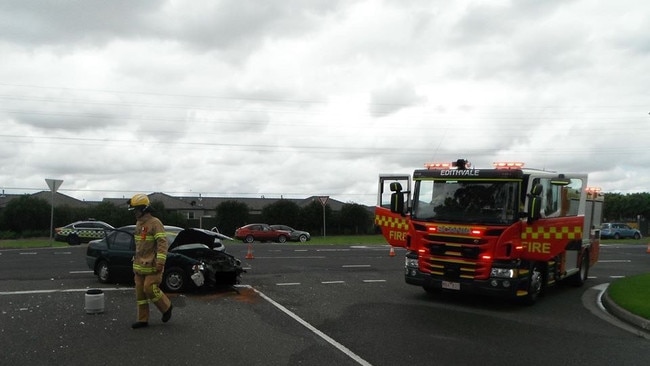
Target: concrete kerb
624	315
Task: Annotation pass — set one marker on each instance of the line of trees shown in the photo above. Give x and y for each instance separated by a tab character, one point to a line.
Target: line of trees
29	216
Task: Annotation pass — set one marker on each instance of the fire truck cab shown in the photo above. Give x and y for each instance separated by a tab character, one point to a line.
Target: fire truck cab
504	231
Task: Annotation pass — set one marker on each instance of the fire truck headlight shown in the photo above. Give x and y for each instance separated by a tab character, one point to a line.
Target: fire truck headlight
411	262
502	273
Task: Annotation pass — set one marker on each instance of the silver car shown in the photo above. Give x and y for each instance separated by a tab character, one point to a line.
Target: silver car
296	235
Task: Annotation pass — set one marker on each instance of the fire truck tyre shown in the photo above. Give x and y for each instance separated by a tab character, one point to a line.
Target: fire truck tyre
535	285
174	279
103	273
73	239
580	278
249	239
282	239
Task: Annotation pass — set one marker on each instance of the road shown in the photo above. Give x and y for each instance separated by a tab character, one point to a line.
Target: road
309	305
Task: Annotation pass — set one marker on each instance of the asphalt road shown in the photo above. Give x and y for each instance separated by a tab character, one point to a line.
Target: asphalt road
309	305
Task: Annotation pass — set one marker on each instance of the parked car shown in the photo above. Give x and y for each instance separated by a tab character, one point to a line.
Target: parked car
295	235
261	232
81	231
617	230
196	258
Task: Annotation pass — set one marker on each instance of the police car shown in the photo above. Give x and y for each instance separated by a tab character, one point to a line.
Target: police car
82	231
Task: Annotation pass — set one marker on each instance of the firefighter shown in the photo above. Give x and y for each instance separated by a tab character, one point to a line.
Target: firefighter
149	261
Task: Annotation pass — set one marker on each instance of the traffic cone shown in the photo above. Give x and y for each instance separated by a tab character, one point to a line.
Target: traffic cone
392	252
648	250
249	255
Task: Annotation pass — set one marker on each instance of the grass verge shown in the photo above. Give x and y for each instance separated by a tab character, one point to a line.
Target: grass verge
31	243
632	293
315	240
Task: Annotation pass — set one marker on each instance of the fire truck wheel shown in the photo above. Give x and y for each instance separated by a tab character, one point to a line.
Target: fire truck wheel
580	278
535	285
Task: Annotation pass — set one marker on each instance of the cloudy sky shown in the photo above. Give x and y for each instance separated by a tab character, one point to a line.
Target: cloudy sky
297	98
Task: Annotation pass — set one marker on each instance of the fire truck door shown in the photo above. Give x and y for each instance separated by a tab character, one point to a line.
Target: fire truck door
393	225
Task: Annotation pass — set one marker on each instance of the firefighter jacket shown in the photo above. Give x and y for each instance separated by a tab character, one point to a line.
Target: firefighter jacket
150	245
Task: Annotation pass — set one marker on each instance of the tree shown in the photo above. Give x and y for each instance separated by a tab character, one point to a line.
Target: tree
311	217
281	212
355	219
112	214
231	215
27	213
172	218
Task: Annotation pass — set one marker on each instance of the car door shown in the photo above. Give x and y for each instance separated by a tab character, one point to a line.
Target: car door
626	231
121	248
267	233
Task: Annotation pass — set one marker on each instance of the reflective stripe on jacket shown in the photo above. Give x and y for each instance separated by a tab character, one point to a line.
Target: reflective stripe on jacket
150	245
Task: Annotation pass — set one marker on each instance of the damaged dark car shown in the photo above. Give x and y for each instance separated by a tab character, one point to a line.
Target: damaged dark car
196	259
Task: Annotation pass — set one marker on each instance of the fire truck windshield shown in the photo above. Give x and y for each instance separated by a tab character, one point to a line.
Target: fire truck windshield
471	201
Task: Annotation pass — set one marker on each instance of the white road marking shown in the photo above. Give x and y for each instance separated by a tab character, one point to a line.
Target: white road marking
331	282
288	284
615	261
80	272
355	266
32	292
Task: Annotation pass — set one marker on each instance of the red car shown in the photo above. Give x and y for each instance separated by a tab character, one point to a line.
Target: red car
261	232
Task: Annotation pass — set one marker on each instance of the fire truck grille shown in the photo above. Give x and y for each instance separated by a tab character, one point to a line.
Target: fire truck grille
454	257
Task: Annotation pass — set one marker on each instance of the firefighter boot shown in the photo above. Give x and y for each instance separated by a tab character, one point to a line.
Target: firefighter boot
167	314
137	325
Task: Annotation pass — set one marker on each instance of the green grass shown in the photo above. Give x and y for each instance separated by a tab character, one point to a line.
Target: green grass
643	241
632	293
346	240
315	240
30	243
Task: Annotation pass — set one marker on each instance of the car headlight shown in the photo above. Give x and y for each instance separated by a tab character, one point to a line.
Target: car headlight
503	272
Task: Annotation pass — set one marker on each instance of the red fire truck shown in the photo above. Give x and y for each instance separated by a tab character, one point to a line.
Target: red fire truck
504	231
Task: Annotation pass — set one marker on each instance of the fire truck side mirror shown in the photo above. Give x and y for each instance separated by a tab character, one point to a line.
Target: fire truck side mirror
397	202
535	203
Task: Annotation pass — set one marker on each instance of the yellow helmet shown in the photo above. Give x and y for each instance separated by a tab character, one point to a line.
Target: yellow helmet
139	200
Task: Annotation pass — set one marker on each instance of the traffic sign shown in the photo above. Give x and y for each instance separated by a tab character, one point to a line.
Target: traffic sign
323	199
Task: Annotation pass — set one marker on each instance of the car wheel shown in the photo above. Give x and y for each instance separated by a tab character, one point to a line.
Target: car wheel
174	279
103	272
617	236
73	239
637	236
282	239
303	238
249	239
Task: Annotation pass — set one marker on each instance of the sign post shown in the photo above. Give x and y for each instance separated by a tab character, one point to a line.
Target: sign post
323	202
54	185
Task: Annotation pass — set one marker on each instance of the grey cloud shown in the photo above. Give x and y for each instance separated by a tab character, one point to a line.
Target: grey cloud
391	98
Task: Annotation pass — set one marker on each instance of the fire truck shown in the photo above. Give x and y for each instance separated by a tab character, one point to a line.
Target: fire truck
504	231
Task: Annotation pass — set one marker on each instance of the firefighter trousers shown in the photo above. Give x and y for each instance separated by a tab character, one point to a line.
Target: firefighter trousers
147	291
